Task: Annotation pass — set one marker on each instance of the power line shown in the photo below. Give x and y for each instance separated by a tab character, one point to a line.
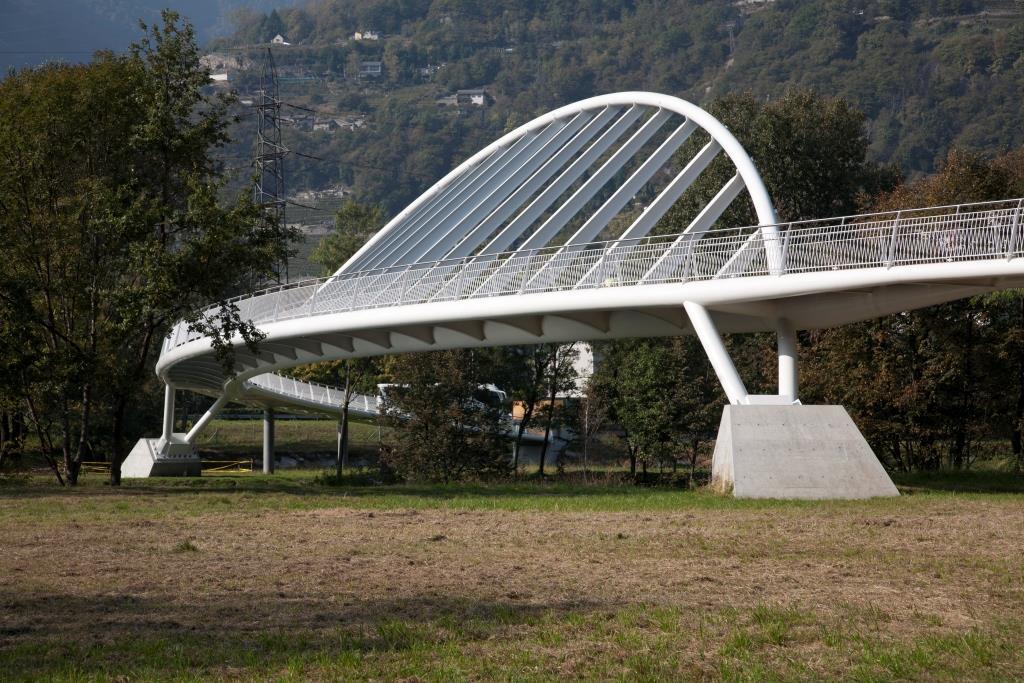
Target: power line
306	156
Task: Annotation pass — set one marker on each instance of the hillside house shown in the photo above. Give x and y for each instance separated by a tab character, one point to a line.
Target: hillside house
279	40
366	35
350	123
335	124
371	69
475	97
328	125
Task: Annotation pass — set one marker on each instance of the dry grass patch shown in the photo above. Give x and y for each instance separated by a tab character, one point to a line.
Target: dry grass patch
318	586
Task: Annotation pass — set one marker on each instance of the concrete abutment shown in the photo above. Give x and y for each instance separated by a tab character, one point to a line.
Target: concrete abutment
797	452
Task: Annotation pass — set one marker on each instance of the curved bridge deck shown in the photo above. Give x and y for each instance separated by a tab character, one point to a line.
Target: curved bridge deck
881	245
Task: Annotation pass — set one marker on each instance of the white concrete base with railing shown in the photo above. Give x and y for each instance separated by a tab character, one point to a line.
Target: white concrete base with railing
440	274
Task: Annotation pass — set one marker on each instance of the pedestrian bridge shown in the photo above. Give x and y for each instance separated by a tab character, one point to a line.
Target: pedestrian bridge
551	234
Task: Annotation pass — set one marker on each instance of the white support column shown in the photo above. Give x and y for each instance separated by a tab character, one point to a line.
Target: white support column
788	373
705	329
205	419
168	413
268	440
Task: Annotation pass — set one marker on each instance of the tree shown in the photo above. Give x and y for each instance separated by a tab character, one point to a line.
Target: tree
16	358
352	375
354	224
273	25
445	428
523	373
559	380
394	68
810	150
698	397
113	229
589	418
663	394
646	408
605	387
353	65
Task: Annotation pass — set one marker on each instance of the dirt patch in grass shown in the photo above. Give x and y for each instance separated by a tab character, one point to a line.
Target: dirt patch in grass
883	589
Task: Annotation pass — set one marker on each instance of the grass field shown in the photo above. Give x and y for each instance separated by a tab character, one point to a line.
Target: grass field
245	577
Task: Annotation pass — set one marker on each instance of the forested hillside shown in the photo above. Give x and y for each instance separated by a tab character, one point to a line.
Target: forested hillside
928	75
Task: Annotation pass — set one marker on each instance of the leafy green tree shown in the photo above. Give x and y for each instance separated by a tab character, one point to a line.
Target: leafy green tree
442	430
663	395
248	25
529	374
394	67
699	399
523	369
354	224
811	151
559	379
16	359
114	228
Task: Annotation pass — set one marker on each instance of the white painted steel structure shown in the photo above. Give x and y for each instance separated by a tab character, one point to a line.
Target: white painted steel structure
503	250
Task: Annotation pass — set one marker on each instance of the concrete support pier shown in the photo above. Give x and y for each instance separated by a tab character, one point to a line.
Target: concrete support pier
268	441
172	455
788	374
795	451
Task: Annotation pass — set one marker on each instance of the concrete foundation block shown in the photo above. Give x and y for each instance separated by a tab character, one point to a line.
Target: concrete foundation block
795	451
155	458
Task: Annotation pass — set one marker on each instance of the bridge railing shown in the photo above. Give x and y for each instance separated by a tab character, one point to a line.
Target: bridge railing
314	392
987	230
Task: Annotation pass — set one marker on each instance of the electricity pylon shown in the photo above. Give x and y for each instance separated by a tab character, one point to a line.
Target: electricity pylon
269	192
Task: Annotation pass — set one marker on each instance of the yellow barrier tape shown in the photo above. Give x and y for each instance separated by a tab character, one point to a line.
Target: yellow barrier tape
220	465
233	465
